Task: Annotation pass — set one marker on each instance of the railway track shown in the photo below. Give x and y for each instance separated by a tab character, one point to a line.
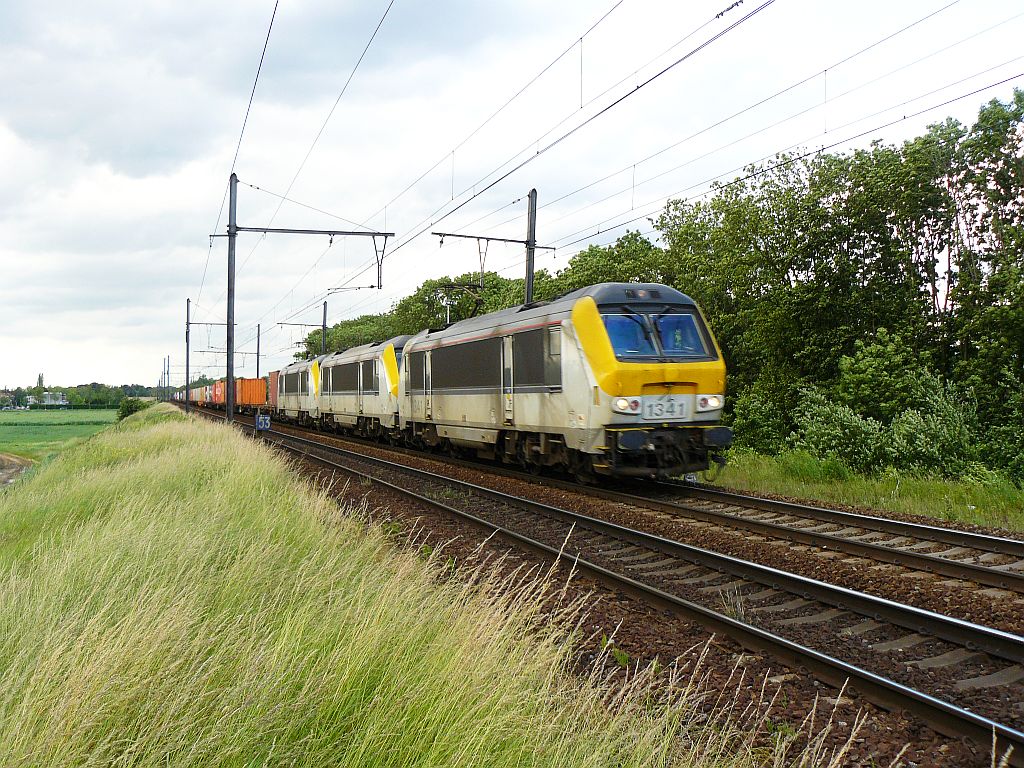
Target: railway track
962	679
991	561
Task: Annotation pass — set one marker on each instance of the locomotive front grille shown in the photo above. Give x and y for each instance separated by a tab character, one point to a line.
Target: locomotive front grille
662	451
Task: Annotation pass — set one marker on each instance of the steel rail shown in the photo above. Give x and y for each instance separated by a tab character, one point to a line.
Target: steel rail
1001	544
941	715
941	566
972	636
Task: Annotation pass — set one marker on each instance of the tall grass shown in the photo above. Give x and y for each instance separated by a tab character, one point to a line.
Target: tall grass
172	595
995	502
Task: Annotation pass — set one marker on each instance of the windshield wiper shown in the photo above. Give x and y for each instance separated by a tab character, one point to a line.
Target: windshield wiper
635	317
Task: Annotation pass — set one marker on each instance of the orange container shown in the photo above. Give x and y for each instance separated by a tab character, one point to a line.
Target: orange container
218	393
251	393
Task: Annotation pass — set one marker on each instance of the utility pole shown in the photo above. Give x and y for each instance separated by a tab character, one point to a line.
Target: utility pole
188	325
531	243
323	333
233	230
188	309
229	385
257	350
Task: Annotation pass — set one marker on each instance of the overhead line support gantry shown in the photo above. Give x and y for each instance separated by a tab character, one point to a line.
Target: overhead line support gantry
530	242
232	235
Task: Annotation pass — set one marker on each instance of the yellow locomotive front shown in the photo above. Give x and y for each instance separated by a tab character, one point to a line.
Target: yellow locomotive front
658	380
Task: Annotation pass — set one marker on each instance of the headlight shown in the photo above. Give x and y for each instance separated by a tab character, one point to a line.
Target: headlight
626	405
709	402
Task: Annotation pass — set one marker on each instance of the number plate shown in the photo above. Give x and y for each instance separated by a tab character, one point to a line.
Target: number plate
664	407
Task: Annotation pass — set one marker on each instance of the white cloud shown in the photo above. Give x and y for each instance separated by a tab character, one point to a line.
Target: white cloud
118	122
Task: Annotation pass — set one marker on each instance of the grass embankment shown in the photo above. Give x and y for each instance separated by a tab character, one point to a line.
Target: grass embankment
997	503
173	595
38	435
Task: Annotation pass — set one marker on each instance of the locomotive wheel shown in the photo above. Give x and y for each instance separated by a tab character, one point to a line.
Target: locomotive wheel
582	465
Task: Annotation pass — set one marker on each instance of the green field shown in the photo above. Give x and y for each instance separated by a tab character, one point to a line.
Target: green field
39	434
189	601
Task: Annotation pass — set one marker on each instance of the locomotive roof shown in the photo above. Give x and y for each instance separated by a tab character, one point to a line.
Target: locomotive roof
634	294
398	341
301	365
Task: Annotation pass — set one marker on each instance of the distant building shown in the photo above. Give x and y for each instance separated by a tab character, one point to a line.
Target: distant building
30	399
54	398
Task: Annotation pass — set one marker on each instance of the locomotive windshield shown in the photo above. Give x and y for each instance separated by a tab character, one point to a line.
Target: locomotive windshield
670	333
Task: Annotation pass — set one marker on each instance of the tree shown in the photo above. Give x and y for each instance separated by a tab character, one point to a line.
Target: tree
878	290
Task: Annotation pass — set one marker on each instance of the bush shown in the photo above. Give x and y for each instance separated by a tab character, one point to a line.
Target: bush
131	405
759	422
884	377
1004	440
935	437
825	429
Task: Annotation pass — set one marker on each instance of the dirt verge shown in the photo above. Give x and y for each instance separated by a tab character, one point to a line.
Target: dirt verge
10	467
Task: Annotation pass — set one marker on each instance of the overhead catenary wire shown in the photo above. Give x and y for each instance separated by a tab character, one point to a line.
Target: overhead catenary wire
478	128
875	44
323	126
761	102
793	159
632	76
661	201
811	77
832	130
307	206
496	112
775	125
604	110
238	146
316	140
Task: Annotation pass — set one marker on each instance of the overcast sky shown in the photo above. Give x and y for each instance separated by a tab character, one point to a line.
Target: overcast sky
119	122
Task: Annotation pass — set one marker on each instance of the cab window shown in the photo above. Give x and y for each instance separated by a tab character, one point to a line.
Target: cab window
680	336
629	334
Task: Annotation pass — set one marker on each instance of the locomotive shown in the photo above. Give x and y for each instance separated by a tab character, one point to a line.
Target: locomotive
615	379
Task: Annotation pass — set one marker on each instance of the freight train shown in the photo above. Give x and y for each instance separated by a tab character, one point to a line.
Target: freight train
615	379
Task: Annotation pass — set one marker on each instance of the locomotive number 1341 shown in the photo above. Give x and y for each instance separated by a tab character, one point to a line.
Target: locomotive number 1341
664	407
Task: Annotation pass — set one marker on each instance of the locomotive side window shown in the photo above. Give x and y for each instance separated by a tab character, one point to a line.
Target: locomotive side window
417	368
304	383
473	365
346	378
528	358
553	356
537	355
369	385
